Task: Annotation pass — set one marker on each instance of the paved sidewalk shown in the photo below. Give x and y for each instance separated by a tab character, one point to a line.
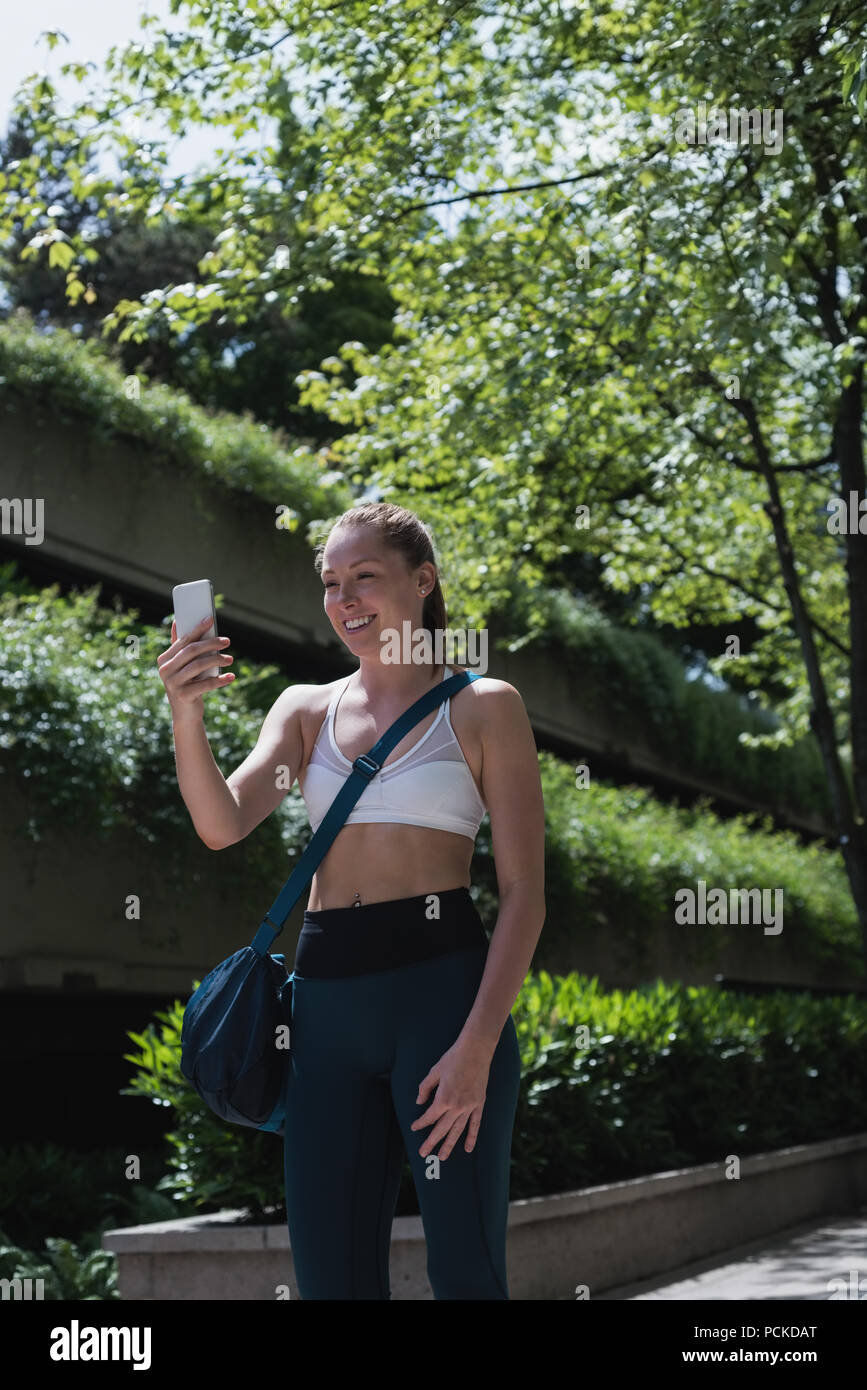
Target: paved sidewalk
798	1263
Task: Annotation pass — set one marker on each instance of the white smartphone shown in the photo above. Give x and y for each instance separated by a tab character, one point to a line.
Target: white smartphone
191	604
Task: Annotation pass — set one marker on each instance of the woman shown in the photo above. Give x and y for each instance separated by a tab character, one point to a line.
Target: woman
402	1036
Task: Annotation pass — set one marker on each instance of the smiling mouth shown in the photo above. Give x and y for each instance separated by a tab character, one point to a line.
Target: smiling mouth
358	624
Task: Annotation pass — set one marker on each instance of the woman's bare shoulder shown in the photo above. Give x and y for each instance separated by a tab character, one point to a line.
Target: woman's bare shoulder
300	712
485	687
305	702
488	706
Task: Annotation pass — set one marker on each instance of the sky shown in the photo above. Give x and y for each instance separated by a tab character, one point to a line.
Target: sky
93	27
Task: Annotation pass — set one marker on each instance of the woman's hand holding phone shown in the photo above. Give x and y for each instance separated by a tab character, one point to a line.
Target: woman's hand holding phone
180	667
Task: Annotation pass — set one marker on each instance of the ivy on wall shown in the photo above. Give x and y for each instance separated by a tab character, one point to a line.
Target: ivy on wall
85	731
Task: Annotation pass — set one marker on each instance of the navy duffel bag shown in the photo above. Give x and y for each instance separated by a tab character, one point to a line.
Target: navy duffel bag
235	1038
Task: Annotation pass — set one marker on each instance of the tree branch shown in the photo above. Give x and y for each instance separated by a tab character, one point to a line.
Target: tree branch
524	187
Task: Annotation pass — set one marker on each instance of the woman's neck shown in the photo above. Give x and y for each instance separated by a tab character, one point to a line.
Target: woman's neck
397	682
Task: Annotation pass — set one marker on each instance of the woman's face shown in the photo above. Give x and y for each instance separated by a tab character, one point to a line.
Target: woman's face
368	588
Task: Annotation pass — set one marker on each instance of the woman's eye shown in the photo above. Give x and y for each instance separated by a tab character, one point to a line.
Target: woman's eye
366	574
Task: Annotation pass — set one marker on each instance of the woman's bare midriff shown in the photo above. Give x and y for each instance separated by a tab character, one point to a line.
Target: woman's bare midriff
380	862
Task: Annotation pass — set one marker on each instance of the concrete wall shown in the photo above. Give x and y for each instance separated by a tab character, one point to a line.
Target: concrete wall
591	1241
63	923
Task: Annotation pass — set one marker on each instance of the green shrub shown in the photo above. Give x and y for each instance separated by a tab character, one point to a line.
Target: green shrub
47	1191
67	1272
86	730
616	856
211	1165
57	375
672	1076
697	729
667	1076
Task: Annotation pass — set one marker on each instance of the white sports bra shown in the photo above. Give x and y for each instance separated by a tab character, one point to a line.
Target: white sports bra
431	785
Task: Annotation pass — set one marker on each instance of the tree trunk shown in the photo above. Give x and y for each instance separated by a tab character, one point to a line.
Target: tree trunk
850	825
849	450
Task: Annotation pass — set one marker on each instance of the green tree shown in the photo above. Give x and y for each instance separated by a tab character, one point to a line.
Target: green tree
249	367
595	309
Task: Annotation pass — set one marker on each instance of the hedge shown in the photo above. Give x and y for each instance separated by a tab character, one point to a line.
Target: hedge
614	1085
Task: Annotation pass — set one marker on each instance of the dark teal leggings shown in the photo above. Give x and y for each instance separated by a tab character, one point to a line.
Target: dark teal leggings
360	1045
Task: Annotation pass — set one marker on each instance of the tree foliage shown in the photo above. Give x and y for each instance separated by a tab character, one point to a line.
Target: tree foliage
594	309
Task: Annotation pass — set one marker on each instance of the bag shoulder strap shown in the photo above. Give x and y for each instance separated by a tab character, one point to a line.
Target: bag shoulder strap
365	767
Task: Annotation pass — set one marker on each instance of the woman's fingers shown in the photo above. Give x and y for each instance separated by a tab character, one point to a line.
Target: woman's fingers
183	664
451	1124
177	644
473	1131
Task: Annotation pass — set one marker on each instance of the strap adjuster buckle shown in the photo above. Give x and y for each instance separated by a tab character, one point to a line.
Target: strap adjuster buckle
366	766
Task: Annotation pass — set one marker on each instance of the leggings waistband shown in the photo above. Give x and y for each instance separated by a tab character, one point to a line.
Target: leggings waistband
341	941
